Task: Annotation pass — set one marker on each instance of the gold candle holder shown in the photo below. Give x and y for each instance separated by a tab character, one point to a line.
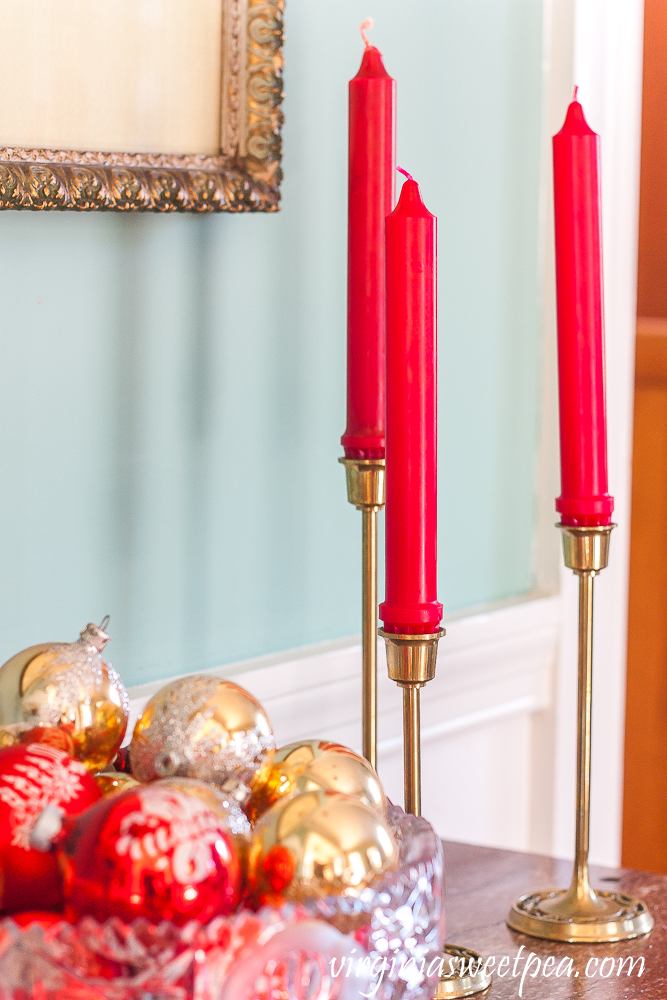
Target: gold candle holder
365	489
579	914
411	661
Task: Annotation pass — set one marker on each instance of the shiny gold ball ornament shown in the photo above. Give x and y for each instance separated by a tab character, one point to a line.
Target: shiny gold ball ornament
206	728
114	782
71	687
333	767
313	764
318	844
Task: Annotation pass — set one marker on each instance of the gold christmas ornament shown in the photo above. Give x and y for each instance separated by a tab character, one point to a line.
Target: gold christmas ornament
114	782
313	764
68	685
320	764
206	728
318	844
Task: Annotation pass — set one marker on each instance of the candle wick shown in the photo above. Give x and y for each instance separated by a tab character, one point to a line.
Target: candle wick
405	173
366	26
576	91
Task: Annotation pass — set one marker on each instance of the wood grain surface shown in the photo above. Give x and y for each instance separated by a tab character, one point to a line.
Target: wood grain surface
483	882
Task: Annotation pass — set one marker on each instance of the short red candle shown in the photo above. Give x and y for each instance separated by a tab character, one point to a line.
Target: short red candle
411	605
584	499
372	160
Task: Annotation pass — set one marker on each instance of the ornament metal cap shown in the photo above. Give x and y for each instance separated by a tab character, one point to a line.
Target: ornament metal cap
95	635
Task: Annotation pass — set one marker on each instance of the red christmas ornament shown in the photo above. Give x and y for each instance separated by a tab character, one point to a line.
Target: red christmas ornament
150	852
32	777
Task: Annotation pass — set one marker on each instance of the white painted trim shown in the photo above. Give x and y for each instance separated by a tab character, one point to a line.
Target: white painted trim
527	703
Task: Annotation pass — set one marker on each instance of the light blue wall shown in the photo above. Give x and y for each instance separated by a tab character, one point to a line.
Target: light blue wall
172	388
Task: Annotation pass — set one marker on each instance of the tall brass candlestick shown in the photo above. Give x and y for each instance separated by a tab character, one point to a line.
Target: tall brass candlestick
365	489
411	661
579	914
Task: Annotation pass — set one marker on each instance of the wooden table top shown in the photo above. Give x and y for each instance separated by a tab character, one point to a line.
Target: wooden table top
481	885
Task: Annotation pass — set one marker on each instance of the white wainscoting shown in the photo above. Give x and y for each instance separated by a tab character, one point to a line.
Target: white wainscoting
486	732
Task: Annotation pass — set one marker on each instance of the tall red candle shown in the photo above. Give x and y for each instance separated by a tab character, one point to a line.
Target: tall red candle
411	604
372	159
584	499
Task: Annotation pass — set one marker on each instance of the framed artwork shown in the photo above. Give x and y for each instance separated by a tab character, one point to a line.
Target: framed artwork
141	105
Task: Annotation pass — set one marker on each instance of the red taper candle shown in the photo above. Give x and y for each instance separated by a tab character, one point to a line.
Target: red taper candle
584	499
411	605
372	161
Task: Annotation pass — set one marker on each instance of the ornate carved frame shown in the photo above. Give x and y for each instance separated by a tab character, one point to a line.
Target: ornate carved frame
245	177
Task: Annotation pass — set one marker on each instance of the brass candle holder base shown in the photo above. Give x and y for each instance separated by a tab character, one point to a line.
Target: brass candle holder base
467	974
411	661
365	489
596	918
579	914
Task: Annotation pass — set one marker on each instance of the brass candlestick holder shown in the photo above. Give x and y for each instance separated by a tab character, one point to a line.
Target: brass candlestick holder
411	663
365	489
579	914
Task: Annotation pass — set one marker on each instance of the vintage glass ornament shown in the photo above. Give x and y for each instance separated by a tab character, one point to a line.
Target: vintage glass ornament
151	852
202	727
223	805
318	843
21	732
70	686
311	764
114	782
33	777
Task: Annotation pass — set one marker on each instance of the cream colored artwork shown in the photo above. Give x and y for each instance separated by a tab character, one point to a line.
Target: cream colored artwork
141	85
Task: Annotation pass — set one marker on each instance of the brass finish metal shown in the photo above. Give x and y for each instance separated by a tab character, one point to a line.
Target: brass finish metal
463	975
369	648
365	482
579	914
412	763
245	177
411	663
411	659
365	489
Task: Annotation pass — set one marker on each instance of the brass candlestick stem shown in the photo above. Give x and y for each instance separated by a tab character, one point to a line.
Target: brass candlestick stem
365	489
411	661
579	914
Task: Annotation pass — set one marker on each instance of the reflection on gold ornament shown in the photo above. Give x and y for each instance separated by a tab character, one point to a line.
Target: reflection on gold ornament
113	782
202	727
71	687
318	844
278	781
221	803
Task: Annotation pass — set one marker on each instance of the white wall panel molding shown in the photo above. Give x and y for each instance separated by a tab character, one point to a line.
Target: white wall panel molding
493	684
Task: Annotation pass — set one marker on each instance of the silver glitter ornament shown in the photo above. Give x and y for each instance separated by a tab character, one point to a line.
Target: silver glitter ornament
206	728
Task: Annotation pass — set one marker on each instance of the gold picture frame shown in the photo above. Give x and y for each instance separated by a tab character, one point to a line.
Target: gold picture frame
244	176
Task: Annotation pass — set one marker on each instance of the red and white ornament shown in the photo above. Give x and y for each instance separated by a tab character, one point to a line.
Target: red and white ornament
32	777
150	852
